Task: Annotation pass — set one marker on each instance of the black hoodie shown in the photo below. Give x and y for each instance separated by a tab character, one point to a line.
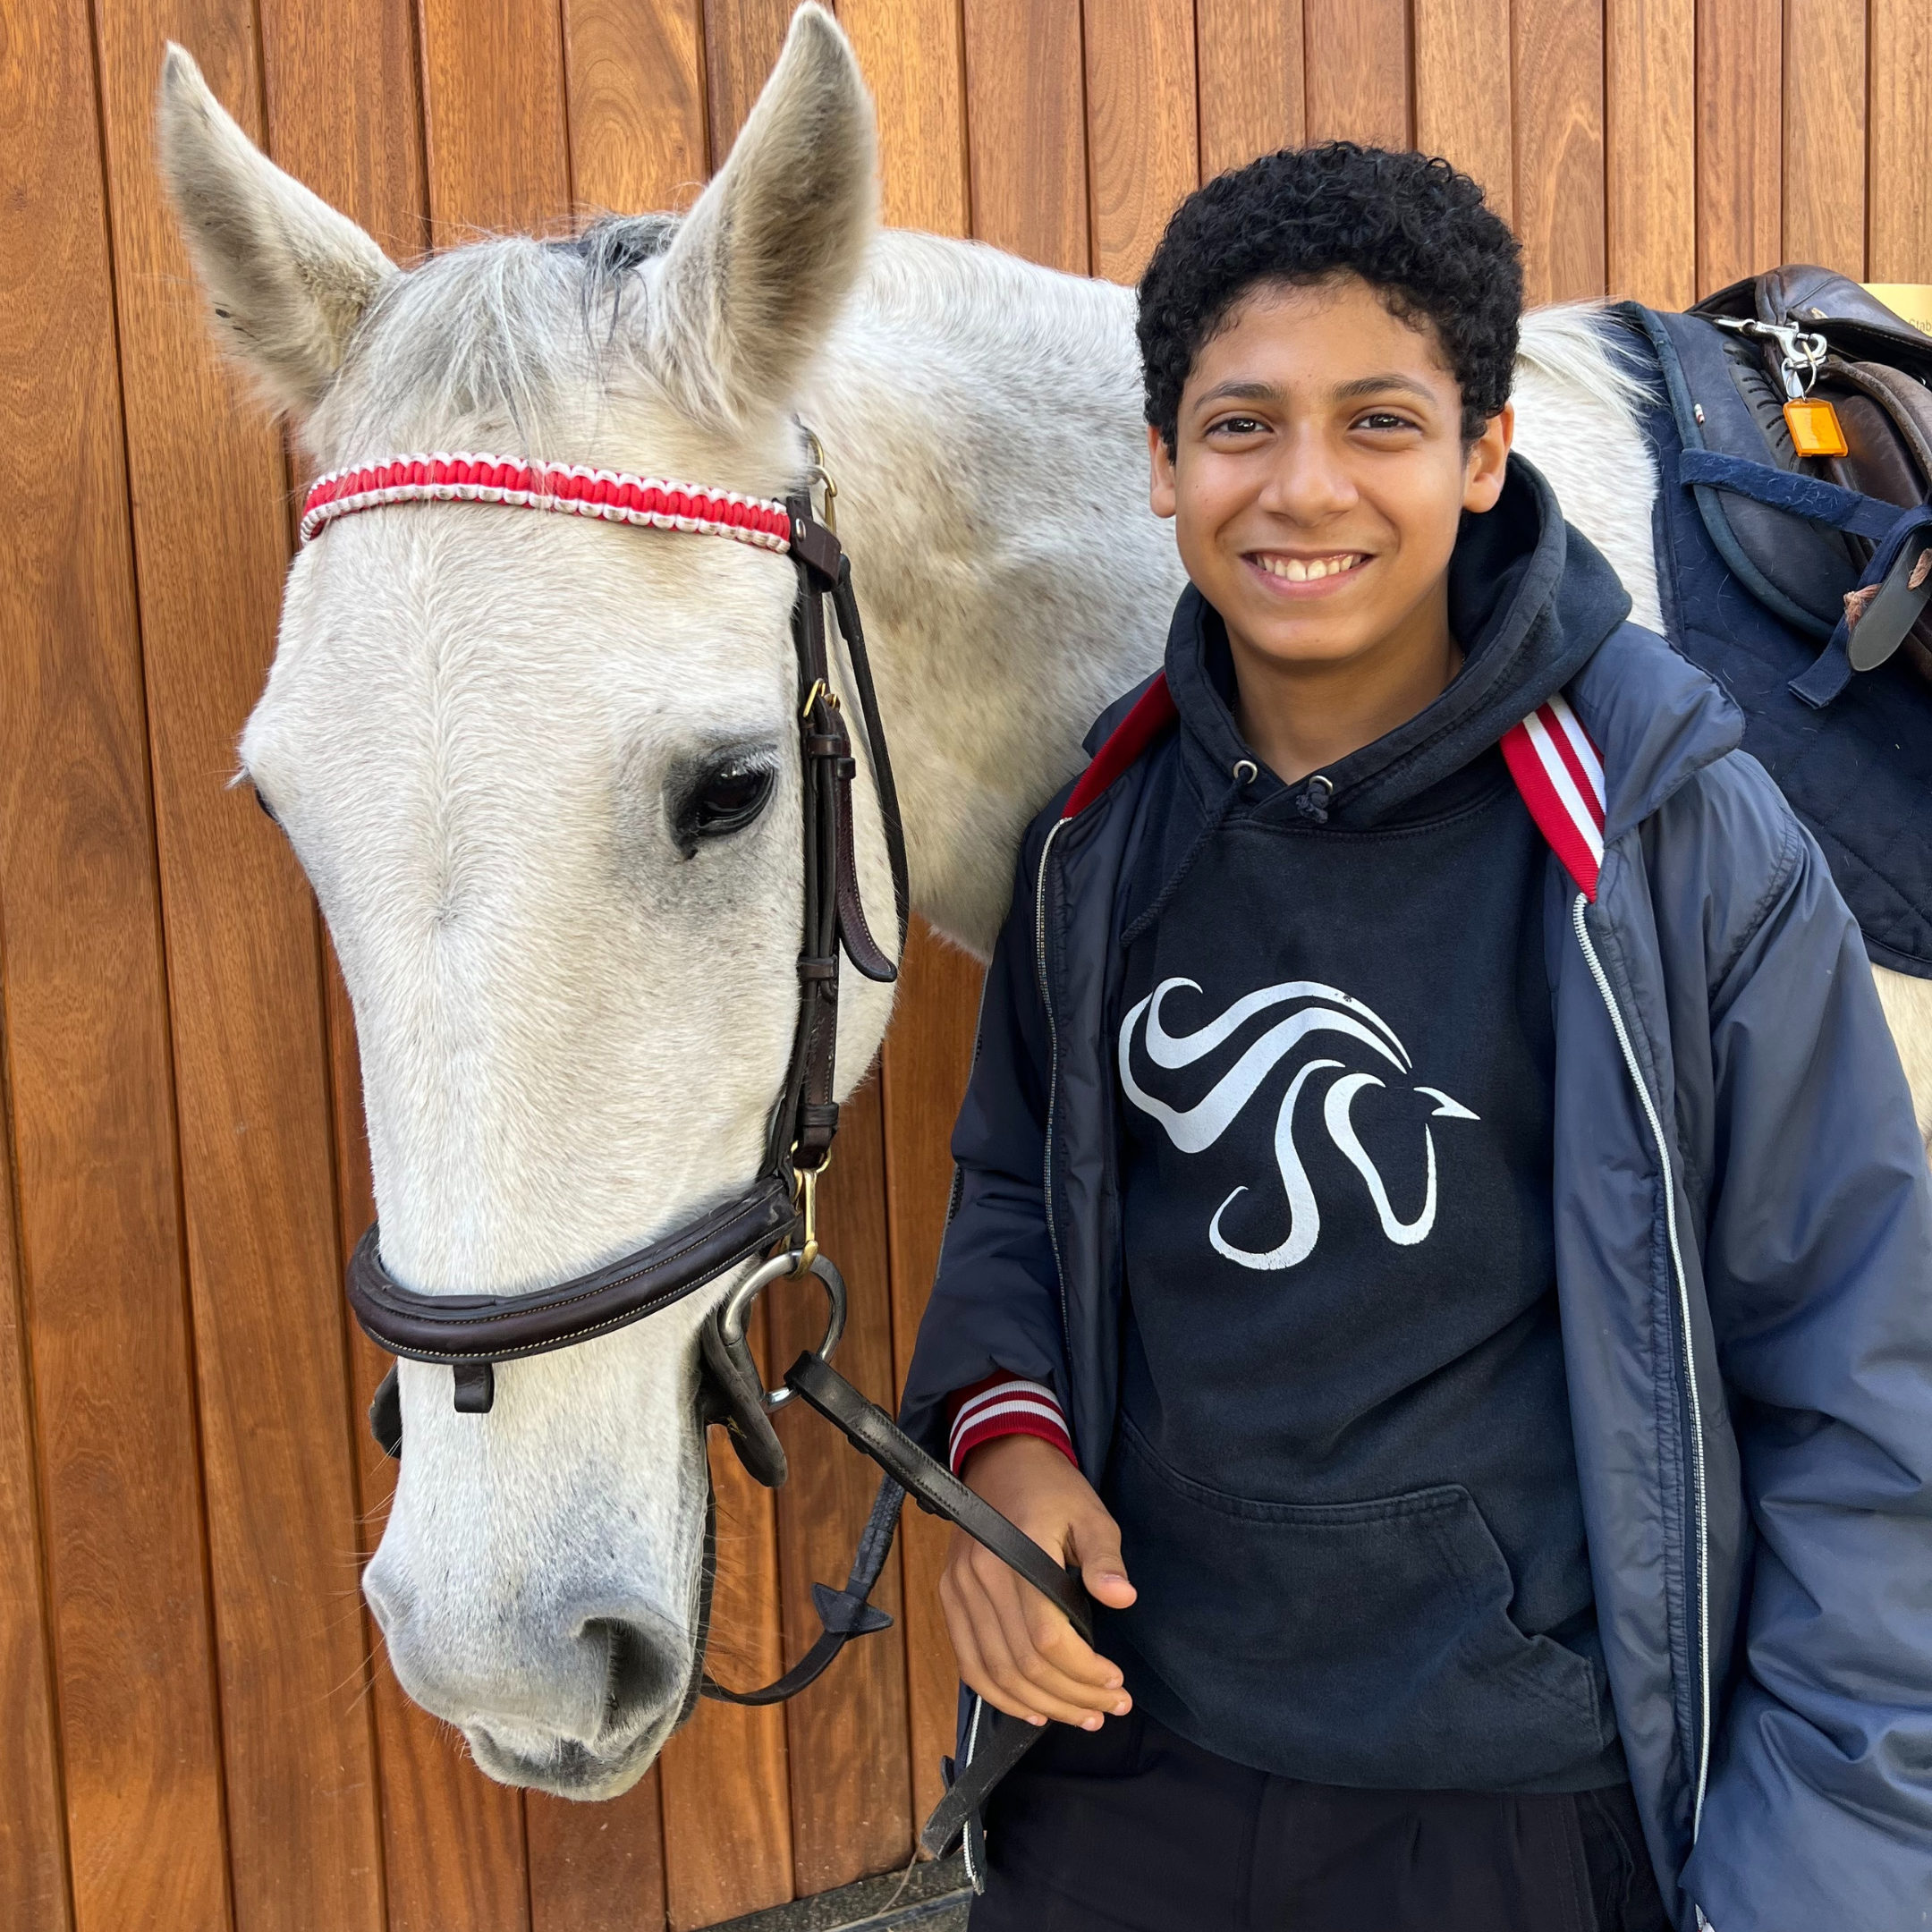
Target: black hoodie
1344	1455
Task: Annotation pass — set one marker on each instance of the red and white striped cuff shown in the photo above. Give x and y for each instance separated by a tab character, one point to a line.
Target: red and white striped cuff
1005	1406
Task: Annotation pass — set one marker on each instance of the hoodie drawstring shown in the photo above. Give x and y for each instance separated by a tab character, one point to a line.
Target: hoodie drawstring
1244	773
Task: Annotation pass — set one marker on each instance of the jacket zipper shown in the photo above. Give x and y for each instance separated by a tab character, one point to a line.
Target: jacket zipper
1053	1076
1690	1361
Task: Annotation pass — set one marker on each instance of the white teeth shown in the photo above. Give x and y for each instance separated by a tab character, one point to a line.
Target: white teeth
1296	570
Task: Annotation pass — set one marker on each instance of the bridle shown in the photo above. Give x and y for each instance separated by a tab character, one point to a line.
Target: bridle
775	1215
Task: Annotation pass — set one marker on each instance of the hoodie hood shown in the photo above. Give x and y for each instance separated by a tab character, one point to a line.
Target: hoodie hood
1530	601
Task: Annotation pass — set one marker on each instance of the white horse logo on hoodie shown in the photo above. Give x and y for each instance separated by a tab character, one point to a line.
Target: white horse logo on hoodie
1197	1127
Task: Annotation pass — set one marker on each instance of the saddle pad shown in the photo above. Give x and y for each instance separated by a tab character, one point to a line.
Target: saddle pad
1859	774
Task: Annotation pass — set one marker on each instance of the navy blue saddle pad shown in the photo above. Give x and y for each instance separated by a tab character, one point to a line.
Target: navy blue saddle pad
1859	772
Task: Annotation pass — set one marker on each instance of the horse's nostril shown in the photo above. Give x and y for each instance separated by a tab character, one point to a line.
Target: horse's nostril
642	1676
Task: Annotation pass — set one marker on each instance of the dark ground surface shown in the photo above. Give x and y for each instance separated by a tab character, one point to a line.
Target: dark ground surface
931	1898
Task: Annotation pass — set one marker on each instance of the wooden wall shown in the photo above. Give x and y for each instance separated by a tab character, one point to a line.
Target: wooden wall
195	1733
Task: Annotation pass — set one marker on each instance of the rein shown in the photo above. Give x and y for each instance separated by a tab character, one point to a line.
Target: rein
776	1215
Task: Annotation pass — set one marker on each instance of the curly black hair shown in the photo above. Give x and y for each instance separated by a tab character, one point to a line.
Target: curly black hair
1413	227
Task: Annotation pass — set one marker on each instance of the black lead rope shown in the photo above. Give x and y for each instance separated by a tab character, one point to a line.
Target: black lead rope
847	1614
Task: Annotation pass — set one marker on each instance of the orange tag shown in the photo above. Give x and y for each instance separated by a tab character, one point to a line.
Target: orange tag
1814	426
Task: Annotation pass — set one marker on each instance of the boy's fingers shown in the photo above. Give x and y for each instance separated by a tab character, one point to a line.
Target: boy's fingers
1096	1541
1014	1689
973	1672
1069	1699
1044	1625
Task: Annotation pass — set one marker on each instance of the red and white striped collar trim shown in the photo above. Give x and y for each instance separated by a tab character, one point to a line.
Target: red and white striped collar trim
1561	777
613	495
1558	771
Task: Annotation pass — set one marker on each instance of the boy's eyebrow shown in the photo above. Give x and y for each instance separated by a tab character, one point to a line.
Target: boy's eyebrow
1252	390
1367	385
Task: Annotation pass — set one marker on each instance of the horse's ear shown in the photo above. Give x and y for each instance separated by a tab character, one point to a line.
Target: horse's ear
765	260
287	278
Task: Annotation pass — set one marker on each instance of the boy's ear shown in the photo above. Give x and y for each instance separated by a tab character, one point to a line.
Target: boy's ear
1160	474
1487	461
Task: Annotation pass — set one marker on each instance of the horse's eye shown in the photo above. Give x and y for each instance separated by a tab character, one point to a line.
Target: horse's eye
268	810
730	798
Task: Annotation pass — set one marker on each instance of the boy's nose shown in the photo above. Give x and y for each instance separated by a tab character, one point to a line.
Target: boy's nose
1308	483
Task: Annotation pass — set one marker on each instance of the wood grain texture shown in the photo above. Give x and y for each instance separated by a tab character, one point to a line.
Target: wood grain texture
1464	98
1899	224
928	1055
1143	149
208	482
633	73
493	132
1249	83
742	42
1824	201
1355	69
726	1814
33	1839
343	112
85	1030
1739	113
1559	116
1025	129
851	1790
1650	122
598	1868
912	54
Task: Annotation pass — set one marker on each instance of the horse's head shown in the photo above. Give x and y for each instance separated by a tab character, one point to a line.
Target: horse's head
543	772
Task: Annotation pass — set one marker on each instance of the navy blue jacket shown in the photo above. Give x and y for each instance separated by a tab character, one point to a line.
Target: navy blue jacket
1743	1223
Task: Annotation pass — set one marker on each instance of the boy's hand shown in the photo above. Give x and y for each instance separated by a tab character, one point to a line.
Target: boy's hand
1014	1648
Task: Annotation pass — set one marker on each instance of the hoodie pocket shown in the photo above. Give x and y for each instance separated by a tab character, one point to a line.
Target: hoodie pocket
1352	1643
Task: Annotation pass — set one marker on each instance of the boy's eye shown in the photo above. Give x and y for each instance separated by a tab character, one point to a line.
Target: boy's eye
1383	420
1238	426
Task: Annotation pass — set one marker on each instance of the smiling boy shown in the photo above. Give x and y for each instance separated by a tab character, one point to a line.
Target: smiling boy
1441	1234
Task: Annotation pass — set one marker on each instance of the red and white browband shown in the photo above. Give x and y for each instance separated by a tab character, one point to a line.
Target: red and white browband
612	494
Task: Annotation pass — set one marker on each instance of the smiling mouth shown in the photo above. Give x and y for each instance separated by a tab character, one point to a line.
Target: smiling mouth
1298	570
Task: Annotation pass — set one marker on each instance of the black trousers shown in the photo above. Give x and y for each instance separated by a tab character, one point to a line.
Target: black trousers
1133	1829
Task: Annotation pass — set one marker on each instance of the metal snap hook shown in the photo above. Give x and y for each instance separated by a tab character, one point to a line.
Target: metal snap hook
738	1305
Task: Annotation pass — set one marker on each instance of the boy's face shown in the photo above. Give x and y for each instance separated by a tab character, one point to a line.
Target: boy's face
1319	474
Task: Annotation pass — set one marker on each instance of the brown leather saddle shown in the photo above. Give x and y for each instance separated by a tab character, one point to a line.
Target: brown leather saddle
1804	336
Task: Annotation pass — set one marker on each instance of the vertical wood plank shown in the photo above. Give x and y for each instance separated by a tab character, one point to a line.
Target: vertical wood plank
1898	224
912	55
1464	101
1559	61
742	42
208	480
1143	149
85	1030
1824	134
495	135
637	103
1650	116
1025	129
929	1053
727	1820
1739	111
1249	59
33	1860
598	1868
851	1781
1355	67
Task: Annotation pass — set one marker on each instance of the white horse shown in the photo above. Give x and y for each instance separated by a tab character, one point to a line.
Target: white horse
487	736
